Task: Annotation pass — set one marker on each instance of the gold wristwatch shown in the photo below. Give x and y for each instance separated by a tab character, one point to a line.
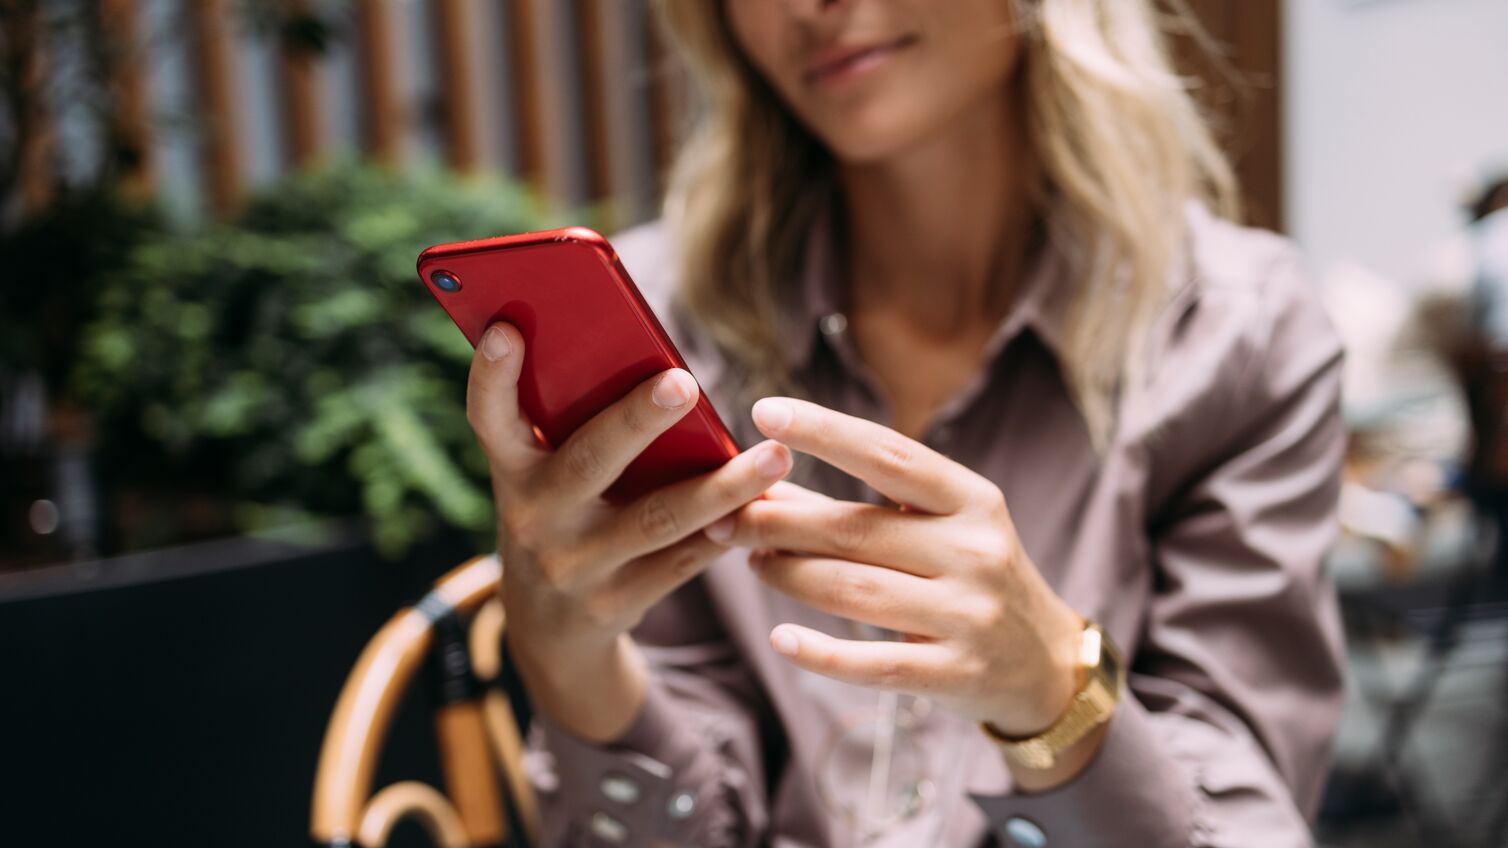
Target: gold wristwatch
1101	676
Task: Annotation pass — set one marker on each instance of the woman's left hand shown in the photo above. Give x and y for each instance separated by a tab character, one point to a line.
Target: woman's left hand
984	634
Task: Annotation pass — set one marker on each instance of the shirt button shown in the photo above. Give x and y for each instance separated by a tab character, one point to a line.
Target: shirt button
609	829
681	805
620	788
833	323
1023	833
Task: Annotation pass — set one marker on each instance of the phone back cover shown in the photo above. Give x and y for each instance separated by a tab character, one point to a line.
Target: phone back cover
589	341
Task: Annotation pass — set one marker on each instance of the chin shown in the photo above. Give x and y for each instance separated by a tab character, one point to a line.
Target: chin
873	136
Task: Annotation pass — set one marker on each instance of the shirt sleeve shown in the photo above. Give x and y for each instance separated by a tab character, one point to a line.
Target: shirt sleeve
688	771
1223	738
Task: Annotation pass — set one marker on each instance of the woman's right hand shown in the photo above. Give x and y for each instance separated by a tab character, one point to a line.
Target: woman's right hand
580	572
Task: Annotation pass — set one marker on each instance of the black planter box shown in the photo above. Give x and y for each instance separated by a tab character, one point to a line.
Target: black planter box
180	697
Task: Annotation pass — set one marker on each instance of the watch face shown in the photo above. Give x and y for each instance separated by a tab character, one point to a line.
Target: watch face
1091	645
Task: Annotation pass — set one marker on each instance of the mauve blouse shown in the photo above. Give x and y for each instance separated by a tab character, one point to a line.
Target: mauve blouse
1197	537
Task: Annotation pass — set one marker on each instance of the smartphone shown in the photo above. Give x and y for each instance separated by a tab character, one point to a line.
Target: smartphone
589	338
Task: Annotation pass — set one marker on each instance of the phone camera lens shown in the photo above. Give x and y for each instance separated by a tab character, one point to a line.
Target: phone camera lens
445	281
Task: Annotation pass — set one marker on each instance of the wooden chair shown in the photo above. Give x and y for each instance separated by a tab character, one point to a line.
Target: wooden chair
487	801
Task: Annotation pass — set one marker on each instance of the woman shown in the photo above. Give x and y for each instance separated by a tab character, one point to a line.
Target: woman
961	255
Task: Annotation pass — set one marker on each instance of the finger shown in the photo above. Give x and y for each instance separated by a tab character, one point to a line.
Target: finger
492	408
878	535
647	580
901	469
588	462
871	594
666	516
921	667
785	490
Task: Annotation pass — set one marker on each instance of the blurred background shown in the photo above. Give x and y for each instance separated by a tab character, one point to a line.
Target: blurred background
232	435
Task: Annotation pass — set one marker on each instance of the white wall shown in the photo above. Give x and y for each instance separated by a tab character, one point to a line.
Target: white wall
1392	107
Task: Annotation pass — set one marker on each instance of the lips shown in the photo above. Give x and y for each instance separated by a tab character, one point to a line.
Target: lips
841	61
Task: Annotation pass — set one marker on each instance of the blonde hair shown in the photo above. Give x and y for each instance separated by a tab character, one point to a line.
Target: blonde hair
1121	145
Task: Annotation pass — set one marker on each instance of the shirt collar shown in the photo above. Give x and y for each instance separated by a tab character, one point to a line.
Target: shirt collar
813	304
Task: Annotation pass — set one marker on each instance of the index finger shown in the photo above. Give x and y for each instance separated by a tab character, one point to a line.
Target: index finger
904	470
492	407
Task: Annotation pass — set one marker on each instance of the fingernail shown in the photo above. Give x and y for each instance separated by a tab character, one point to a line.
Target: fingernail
772	415
721	530
784	642
495	344
671	392
769	461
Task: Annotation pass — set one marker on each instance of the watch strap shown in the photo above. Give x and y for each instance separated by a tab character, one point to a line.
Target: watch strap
1091	706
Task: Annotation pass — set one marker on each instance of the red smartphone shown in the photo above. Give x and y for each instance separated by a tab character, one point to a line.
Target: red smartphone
589	335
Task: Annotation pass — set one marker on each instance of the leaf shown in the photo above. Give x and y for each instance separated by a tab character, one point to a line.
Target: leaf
293	357
430	470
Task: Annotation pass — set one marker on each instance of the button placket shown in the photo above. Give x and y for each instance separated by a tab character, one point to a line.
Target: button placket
619	787
608	829
681	806
1020	832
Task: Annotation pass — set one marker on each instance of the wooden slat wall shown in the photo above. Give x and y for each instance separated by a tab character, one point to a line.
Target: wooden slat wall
592	18
666	86
456	26
303	111
615	106
540	92
1247	108
596	107
528	115
25	35
380	63
120	24
214	73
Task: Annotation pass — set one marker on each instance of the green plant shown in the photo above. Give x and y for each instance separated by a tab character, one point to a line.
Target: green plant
294	353
53	264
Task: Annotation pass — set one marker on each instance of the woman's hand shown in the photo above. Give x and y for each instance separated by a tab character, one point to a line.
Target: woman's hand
984	633
580	572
